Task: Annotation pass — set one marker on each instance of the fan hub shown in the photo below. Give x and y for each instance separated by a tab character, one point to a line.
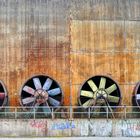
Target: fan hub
101	93
41	96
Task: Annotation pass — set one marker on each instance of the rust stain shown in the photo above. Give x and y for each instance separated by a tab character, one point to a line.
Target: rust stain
18	64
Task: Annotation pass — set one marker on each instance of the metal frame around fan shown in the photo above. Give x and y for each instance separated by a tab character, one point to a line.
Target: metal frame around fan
5	94
39	89
94	89
136	93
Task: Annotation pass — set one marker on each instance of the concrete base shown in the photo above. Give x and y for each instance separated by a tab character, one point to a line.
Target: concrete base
66	128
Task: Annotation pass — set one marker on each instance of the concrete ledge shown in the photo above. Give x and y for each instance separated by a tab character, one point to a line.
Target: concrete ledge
66	128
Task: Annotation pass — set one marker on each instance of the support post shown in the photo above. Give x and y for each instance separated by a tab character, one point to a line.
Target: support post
71	112
89	112
15	113
52	113
34	112
107	112
125	112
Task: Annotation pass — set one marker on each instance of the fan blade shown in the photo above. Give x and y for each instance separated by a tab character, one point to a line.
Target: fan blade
87	93
113	99
29	90
102	83
138	96
54	92
111	88
88	103
2	95
46	109
47	84
92	85
28	100
54	102
37	83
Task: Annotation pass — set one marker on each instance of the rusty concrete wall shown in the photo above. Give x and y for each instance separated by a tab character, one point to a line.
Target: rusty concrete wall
106	48
37	37
34	39
66	128
105	40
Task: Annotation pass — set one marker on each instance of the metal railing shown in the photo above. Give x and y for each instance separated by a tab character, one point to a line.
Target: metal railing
70	112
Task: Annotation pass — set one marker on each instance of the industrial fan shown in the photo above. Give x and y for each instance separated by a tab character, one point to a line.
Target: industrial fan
3	95
41	91
136	96
100	91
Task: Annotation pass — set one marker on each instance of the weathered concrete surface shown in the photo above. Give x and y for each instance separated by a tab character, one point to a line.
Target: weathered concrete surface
66	128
